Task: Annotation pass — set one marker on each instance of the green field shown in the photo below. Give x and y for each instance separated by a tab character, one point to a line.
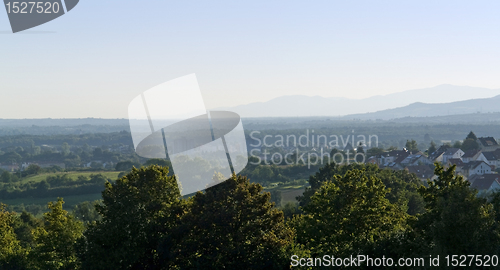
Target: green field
288	192
285	187
70	201
74	175
290	195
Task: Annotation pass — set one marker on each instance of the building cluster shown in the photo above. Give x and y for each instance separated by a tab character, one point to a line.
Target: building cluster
14	166
478	166
59	162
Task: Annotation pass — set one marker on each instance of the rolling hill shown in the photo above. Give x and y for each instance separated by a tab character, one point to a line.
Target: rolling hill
301	105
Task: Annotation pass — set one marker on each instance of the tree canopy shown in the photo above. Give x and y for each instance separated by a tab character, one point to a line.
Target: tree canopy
231	224
347	215
137	210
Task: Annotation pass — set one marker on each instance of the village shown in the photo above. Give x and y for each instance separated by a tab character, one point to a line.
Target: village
479	166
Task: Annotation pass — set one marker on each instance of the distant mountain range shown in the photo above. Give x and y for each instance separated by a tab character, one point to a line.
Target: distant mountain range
436	101
62	122
419	109
440	104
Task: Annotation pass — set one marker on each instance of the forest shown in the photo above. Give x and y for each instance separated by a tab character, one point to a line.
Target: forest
142	222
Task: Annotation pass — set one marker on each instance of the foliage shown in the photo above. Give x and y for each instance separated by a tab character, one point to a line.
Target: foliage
290	210
472	136
143	222
432	148
402	185
411	145
24	225
33	169
86	211
159	162
276	197
347	215
267	174
456	220
56	185
137	210
374	151
230	225
54	241
217	178
469	144
10	248
126	165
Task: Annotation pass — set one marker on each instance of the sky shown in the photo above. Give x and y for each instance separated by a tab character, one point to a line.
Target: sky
97	58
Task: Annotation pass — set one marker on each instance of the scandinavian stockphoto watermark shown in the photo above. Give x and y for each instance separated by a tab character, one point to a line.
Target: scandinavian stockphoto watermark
28	14
171	121
309	148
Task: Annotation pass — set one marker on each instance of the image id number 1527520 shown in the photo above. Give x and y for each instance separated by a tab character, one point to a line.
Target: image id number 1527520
32	7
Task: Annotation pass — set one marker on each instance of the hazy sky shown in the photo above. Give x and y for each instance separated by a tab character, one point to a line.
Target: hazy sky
94	60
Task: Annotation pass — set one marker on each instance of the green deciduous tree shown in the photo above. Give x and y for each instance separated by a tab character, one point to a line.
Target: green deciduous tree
411	145
11	253
403	185
290	210
6	177
137	211
472	136
432	148
23	227
159	162
65	149
217	178
469	144
456	221
361	152
126	165
348	215
265	173
33	169
55	240
374	151
276	197
86	212
229	226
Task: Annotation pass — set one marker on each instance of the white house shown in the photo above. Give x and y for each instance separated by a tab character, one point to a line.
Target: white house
492	158
394	156
452	153
473	155
416	159
437	156
476	167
